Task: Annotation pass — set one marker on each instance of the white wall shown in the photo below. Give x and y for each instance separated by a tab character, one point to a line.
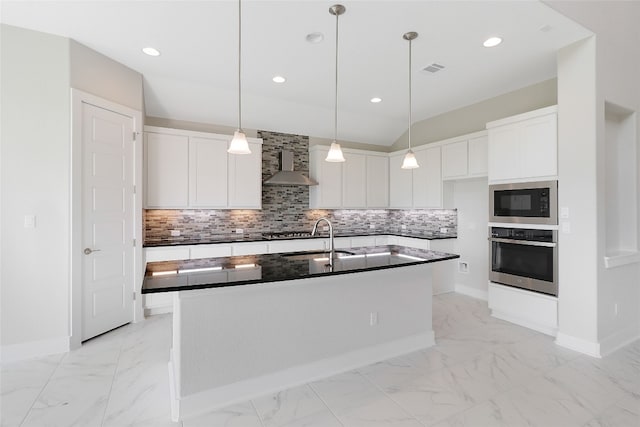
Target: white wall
471	198
474	117
616	66
38	71
35	181
99	75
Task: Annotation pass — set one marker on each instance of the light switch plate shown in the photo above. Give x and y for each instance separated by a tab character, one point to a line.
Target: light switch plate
566	227
564	212
29	221
175	233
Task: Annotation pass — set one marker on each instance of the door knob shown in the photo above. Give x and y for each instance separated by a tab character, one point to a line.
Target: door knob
89	251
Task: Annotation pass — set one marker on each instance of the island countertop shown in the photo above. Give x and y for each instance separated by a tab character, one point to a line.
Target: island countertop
170	276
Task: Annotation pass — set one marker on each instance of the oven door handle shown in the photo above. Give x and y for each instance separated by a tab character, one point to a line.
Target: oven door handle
523	242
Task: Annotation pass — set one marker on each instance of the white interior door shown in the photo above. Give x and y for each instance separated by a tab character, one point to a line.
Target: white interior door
108	218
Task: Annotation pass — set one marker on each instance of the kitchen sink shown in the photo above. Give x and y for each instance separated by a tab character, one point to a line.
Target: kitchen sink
319	255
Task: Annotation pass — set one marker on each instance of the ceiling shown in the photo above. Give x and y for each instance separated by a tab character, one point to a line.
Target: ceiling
195	77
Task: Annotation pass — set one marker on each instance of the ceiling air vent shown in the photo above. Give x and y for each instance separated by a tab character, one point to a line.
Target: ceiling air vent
433	68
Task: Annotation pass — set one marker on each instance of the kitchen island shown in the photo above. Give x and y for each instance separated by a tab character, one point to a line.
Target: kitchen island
249	325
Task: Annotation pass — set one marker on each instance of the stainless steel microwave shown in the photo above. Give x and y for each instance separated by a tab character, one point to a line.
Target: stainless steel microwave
524	203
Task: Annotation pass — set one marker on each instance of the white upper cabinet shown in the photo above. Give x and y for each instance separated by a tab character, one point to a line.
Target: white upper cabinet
167	161
524	147
186	169
465	157
245	178
354	182
207	165
328	192
362	181
400	183
478	156
427	180
377	181
420	187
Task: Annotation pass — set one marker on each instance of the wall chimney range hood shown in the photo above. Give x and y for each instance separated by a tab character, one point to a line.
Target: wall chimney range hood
286	175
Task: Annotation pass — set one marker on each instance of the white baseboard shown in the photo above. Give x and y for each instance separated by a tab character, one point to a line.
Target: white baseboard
618	340
244	390
158	309
471	292
580	345
31	349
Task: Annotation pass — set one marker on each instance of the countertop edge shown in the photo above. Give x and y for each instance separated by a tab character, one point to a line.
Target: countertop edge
262	239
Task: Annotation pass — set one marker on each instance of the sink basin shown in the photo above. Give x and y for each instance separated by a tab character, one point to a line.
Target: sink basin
319	256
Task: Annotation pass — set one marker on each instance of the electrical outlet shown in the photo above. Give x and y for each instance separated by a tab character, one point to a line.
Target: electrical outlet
404	227
373	318
444	230
325	228
372	226
463	267
175	233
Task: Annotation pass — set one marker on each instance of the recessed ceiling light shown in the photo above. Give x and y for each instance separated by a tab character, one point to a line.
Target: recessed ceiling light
279	79
375	100
492	41
315	37
151	51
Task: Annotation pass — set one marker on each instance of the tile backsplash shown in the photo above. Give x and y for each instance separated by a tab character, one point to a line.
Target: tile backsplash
286	208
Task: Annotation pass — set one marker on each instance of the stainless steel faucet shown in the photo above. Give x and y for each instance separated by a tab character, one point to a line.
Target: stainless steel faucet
315	228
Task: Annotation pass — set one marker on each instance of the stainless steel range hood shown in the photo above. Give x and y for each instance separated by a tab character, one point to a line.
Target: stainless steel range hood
286	175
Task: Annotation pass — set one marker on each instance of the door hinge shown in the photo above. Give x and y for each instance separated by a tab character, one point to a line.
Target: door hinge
134	242
135	135
134	189
134	296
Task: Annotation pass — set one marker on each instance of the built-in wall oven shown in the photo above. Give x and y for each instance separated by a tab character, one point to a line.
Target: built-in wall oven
524	258
524	203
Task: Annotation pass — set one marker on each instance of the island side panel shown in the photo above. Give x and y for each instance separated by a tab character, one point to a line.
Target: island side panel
228	335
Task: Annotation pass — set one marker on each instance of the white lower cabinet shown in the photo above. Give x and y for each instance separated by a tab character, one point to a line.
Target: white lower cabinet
249	248
525	308
299	245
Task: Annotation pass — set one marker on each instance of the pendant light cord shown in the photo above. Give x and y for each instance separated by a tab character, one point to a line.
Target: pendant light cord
335	112
409	95
239	65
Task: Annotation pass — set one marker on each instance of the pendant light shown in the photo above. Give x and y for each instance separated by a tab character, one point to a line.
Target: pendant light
239	143
335	152
410	161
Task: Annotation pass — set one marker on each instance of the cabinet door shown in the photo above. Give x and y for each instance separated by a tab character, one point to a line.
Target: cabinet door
207	172
377	182
478	156
538	147
167	170
354	181
328	192
427	179
400	183
245	179
504	154
454	160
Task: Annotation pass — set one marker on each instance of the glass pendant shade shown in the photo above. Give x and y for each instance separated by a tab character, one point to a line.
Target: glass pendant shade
335	153
409	161
239	144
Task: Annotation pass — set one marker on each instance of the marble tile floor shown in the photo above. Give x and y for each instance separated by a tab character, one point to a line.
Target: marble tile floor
482	372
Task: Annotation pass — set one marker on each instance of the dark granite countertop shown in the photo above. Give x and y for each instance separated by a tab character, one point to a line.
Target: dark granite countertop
258	237
258	269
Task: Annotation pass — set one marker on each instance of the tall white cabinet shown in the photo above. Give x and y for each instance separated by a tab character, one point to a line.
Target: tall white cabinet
187	169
